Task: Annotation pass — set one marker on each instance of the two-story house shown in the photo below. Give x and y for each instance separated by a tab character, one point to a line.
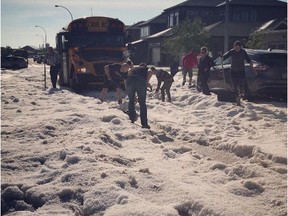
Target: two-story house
274	34
244	17
141	50
134	31
205	9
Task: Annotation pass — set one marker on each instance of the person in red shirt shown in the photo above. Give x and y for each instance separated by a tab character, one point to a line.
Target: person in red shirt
188	62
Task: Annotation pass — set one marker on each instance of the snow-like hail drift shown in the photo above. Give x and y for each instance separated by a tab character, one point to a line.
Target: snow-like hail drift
69	154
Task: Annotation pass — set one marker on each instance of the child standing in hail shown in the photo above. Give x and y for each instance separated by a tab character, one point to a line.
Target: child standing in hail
188	62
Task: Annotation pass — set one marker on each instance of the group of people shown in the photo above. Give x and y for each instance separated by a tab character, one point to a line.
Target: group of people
136	82
136	79
237	72
190	61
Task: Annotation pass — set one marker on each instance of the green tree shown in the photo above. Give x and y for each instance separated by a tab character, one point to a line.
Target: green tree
256	40
186	36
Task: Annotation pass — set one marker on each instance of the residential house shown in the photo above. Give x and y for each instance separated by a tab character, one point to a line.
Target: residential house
134	31
204	9
274	34
245	16
143	50
32	50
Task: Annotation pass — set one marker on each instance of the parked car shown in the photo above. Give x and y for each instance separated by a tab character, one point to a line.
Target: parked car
35	57
268	77
13	62
40	59
21	53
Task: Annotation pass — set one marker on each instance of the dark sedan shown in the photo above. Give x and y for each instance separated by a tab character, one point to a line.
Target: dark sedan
13	62
267	78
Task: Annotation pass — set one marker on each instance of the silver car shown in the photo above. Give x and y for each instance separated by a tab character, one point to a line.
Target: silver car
270	79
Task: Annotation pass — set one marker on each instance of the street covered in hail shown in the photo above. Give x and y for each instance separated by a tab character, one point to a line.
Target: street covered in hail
64	153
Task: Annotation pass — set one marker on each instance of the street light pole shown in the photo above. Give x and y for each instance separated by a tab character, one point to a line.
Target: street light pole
226	27
43	45
66	9
45	86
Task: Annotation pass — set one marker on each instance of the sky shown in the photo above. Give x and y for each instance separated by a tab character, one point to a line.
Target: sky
19	17
67	154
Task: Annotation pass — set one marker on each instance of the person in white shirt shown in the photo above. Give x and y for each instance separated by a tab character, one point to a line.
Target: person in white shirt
53	59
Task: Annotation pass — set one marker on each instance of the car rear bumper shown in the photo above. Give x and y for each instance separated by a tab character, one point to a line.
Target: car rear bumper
267	88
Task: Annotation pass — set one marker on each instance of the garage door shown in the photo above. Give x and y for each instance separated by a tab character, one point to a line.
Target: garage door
155	55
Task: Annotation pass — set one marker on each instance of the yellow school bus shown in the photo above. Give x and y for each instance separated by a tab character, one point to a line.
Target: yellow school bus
86	46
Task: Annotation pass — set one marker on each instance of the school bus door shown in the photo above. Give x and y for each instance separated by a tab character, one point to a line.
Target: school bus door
62	47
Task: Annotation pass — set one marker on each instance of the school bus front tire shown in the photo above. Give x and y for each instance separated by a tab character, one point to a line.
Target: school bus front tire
74	84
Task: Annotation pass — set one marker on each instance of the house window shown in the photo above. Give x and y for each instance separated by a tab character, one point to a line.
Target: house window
206	13
253	16
145	31
221	16
244	17
176	18
236	17
171	21
192	13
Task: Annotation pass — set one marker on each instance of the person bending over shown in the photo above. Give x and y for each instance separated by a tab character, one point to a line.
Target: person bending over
167	80
113	78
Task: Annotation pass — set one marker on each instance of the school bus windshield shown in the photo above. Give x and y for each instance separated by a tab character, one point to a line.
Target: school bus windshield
102	39
100	55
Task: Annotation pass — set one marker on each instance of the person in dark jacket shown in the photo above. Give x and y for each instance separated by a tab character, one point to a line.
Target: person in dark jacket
204	65
167	79
125	74
137	80
238	57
